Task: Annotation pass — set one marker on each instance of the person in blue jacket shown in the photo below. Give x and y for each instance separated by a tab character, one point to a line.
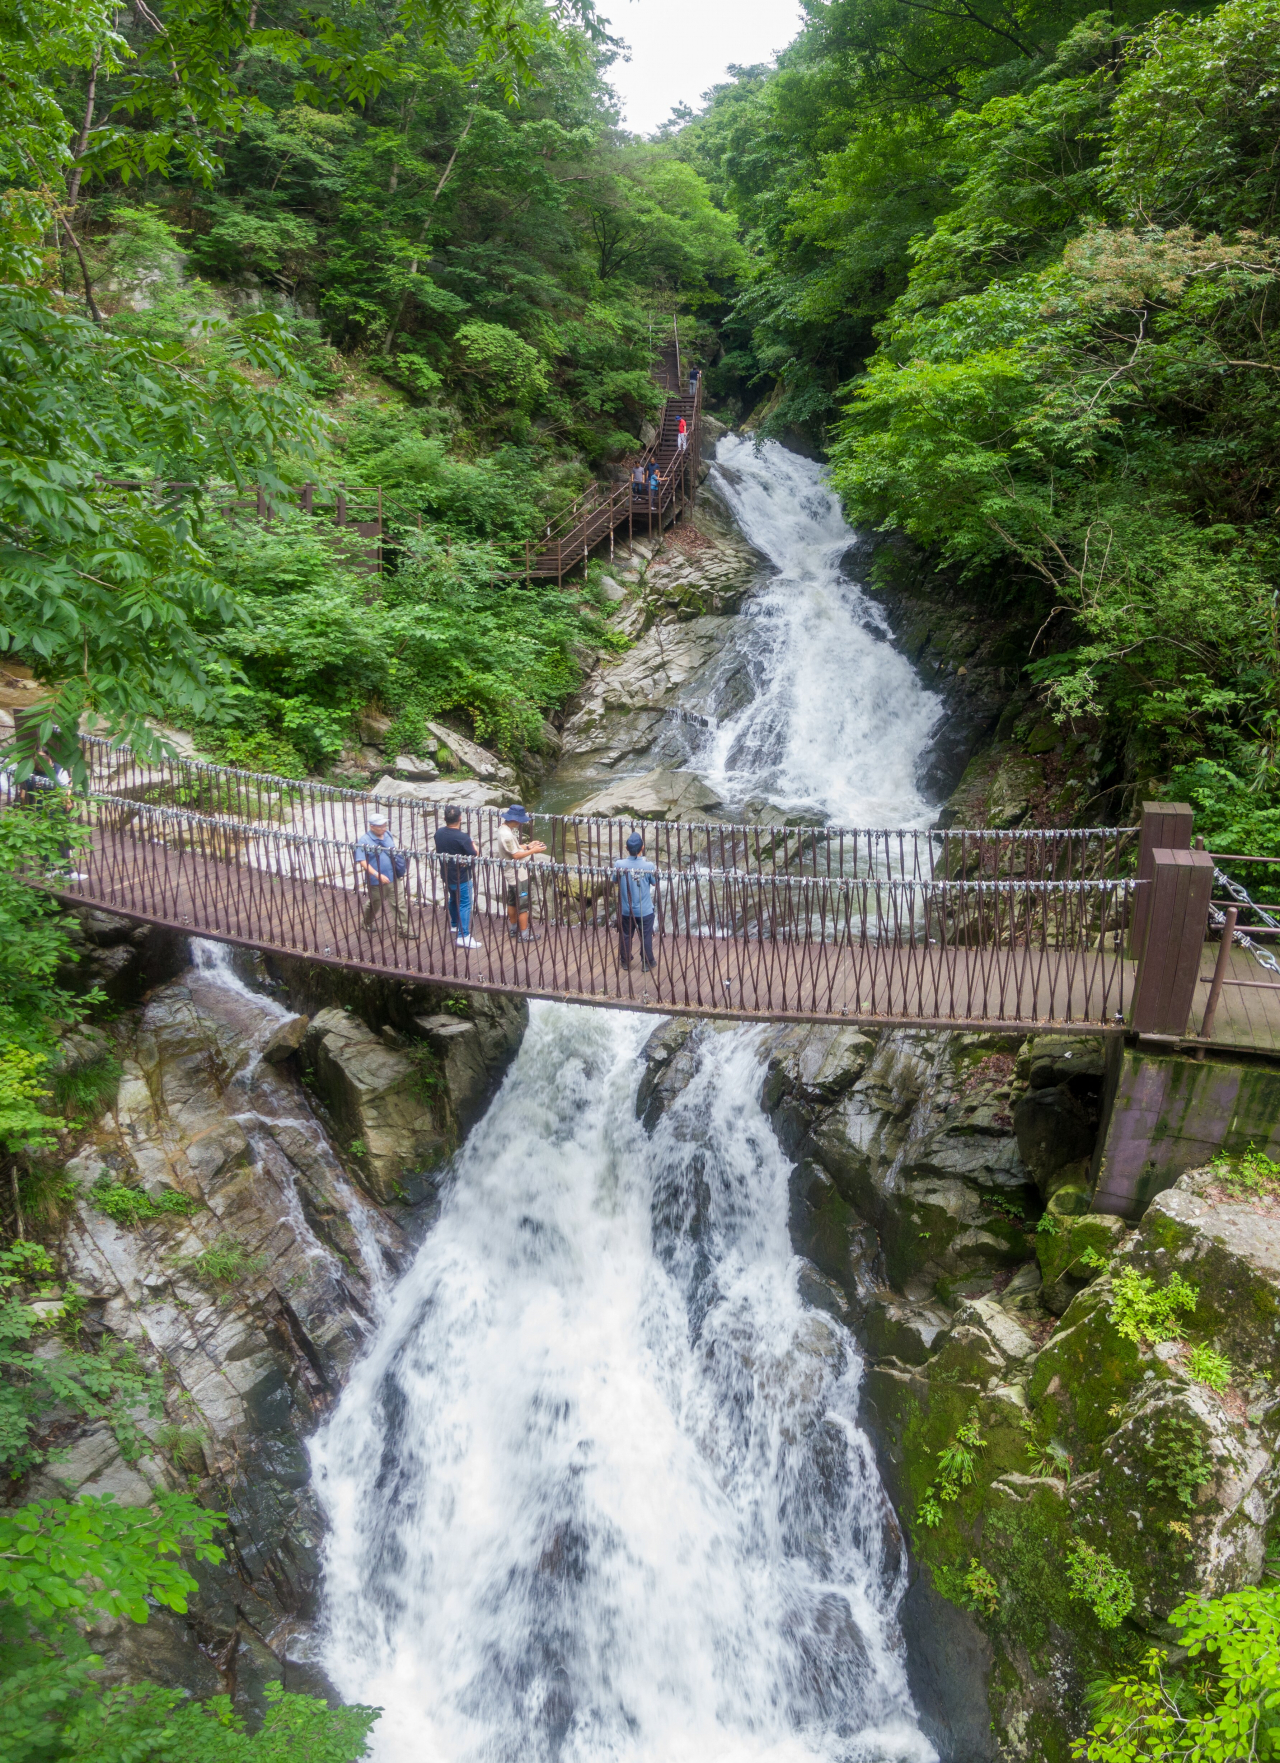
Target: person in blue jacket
381	867
637	878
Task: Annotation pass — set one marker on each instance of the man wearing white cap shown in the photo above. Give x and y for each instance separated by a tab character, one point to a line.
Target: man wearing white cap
382	868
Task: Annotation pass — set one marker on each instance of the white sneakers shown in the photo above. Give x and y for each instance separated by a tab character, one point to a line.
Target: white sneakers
469	943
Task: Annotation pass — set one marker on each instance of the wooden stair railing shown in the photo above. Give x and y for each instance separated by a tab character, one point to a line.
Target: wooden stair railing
598	513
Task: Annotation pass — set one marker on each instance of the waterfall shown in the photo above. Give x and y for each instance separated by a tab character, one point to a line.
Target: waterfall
597	1492
838	721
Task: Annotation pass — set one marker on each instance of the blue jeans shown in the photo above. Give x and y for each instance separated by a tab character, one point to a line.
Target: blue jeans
460	907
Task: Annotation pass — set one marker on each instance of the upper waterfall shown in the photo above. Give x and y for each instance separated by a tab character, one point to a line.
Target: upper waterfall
839	721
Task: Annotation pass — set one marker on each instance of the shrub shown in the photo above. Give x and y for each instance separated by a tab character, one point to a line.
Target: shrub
1093	1577
1146	1313
131	1206
1254	1173
224	1263
1208	1367
1222	1708
957	1465
1182	1463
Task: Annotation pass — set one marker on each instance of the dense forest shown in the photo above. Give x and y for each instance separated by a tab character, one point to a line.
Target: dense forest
1015	271
1012	271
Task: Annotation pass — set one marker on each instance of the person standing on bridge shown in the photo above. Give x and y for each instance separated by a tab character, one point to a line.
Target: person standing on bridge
512	848
637	878
452	843
382	868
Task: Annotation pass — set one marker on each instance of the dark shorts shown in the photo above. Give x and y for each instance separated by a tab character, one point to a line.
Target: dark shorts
518	895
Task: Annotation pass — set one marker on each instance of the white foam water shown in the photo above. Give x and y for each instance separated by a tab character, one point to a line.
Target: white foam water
598	1491
839	720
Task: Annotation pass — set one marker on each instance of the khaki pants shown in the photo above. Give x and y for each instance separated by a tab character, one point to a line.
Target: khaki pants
381	896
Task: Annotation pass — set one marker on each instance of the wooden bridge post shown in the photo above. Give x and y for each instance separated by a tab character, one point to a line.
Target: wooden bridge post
1166	826
1175	924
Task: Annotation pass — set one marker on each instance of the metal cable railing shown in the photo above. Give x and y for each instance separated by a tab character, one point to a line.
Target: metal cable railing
594	841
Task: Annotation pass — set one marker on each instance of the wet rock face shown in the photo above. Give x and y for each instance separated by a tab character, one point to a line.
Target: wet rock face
912	1136
381	1099
252	1307
624	705
118	956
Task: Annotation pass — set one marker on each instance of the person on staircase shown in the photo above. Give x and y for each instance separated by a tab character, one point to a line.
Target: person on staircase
383	868
695	374
655	486
513	849
682	436
637	878
637	481
451	844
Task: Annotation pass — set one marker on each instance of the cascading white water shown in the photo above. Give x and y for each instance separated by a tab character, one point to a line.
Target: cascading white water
839	719
597	1492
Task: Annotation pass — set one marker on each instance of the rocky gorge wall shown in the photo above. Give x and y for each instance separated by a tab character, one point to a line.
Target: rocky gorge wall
940	1201
259	1169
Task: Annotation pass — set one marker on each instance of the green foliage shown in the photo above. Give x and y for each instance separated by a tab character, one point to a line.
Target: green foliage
162	1726
33	940
1183	1465
133	1206
224	1263
1146	1313
1222	1706
981	1590
1210	1368
957	1466
23	1124
58	1557
83	1089
1094	1578
1253	1173
104	1386
443	635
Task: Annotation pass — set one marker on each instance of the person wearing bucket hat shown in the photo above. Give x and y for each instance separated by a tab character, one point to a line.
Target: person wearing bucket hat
512	847
637	878
382	868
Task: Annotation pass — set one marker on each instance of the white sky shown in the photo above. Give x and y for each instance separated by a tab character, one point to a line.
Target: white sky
680	48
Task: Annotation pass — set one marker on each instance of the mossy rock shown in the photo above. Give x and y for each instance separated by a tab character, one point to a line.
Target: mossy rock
1176	1501
1083	1372
1230	1252
1062	1252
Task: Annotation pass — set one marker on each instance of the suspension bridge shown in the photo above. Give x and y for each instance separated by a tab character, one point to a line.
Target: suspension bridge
1100	930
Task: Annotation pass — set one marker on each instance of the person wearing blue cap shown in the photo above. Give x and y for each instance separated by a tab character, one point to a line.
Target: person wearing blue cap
637	878
512	847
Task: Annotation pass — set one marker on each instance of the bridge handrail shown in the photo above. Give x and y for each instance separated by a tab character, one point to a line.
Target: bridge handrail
961	848
958	885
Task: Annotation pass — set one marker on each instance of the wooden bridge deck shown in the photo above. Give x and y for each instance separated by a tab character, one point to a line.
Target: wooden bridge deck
733	972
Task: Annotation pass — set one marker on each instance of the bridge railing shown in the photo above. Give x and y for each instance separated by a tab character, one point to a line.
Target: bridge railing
594	841
937	951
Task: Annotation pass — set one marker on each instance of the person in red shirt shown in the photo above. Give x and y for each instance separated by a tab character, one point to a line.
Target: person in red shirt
682	435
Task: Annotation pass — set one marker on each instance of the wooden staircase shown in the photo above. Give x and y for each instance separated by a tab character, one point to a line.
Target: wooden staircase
600	514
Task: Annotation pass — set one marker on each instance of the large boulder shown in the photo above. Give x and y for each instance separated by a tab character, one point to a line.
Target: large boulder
379	1098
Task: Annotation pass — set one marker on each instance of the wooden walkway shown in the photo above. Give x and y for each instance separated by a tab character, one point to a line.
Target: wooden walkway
600	514
736	946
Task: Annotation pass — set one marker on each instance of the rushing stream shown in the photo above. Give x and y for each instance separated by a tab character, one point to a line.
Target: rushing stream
597	1491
